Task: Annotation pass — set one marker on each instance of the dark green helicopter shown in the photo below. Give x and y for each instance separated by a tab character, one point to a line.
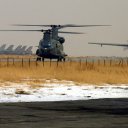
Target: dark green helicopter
51	45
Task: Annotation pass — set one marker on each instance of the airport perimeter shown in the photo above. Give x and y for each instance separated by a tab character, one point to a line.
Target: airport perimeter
12	60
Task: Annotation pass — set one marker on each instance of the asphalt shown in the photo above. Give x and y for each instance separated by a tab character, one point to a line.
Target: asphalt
100	113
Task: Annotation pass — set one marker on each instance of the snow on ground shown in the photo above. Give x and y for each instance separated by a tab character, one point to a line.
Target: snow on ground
58	91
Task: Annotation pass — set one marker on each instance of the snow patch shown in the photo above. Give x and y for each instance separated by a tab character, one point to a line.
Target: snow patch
59	91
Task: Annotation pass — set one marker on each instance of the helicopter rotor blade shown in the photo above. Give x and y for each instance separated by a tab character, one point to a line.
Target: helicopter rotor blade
70	32
32	25
40	31
73	25
60	26
25	30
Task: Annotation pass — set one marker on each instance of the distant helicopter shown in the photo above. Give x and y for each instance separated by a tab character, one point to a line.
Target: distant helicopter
125	45
51	45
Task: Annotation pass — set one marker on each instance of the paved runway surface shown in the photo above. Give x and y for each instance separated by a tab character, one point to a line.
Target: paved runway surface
101	113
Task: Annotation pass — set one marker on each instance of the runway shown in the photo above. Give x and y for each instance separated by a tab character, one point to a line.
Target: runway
98	113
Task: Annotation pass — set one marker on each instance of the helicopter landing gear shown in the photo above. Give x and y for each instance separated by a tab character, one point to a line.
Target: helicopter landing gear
38	59
42	59
64	59
60	59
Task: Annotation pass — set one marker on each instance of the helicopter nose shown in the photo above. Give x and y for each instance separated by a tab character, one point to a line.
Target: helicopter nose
46	50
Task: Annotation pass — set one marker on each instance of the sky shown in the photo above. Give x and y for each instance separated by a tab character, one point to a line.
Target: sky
81	12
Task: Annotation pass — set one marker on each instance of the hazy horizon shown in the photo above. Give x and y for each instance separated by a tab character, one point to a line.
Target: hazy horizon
83	12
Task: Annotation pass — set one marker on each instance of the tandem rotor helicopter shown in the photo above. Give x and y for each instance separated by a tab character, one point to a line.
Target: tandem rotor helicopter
51	45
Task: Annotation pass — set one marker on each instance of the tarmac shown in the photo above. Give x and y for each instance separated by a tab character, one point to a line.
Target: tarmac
96	113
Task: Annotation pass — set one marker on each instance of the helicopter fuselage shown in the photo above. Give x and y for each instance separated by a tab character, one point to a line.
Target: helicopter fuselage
52	49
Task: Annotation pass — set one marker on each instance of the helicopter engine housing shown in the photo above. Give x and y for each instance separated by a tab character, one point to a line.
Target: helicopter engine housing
61	40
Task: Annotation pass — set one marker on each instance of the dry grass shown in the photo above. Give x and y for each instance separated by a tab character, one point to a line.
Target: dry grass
73	71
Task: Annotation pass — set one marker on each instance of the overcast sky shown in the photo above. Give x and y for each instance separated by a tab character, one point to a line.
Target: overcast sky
84	12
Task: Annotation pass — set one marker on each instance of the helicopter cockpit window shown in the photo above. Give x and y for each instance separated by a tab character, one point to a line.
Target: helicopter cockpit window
46	45
47	36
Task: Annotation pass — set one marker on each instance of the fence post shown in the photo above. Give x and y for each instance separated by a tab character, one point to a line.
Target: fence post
22	62
104	62
13	62
86	62
29	62
122	62
63	62
70	62
80	62
119	62
36	63
57	63
7	62
110	62
98	62
50	62
93	62
43	63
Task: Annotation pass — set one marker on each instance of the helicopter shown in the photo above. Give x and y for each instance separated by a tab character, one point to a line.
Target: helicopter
51	45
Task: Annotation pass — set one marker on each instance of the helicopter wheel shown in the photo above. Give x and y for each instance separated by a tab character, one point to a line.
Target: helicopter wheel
64	59
38	59
59	59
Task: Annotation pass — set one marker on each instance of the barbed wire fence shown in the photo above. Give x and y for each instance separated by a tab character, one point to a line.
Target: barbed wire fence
23	62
